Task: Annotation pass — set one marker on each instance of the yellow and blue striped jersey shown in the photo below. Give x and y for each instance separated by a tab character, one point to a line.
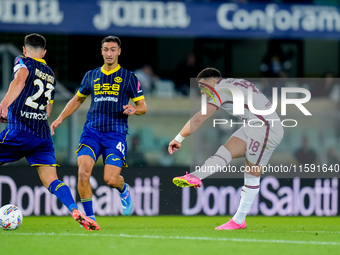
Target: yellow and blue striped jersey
28	112
109	91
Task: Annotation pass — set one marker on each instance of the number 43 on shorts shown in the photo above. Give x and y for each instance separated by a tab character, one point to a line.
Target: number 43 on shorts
121	147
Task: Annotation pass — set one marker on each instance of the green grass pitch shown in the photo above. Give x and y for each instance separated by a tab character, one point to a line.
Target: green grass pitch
173	235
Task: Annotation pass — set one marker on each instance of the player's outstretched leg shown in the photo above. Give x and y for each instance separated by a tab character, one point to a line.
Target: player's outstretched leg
187	180
85	221
222	157
248	193
231	225
125	198
63	193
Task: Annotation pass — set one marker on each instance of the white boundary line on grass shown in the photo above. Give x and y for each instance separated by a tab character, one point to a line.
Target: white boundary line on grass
296	231
223	239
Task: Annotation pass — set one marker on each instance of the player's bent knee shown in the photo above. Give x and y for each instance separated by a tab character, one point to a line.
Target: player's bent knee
112	181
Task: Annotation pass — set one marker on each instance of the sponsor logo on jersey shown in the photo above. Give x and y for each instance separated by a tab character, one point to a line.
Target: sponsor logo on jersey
103	99
33	115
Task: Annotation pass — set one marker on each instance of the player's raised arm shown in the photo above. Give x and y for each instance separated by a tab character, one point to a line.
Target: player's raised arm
69	109
190	127
14	91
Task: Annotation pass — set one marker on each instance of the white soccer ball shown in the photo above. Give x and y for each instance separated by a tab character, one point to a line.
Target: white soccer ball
10	217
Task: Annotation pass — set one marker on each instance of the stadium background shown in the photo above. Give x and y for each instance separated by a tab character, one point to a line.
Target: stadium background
162	35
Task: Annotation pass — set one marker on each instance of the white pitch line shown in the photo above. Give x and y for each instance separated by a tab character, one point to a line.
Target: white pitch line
272	231
200	238
297	231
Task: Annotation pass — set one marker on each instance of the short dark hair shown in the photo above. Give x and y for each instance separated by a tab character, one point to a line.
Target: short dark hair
209	72
111	39
35	41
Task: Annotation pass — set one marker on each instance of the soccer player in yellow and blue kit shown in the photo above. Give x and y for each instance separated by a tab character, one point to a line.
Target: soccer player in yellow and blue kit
26	106
110	86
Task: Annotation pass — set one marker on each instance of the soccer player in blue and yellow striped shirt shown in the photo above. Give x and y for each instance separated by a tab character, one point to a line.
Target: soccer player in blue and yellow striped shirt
26	106
110	86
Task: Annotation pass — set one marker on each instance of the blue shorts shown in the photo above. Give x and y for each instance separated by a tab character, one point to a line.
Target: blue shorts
95	143
15	144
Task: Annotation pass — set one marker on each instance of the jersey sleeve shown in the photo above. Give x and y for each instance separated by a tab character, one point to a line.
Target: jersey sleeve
85	86
135	91
19	63
220	96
